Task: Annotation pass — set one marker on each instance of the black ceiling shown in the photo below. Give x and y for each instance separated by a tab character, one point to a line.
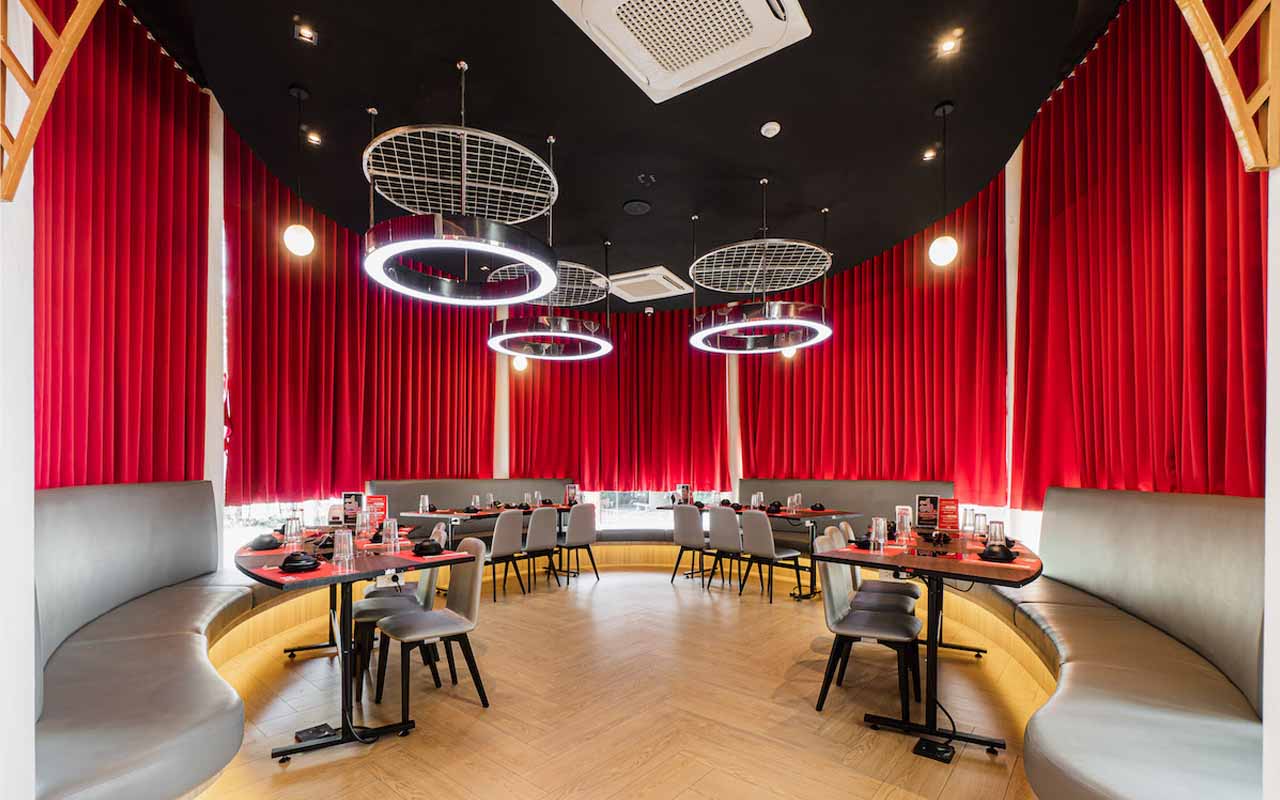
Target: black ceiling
855	102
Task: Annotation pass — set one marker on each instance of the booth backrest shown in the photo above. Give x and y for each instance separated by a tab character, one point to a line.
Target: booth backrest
402	496
869	498
1189	564
97	547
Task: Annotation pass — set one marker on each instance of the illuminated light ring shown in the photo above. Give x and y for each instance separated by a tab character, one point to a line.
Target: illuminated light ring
803	324
394	237
515	337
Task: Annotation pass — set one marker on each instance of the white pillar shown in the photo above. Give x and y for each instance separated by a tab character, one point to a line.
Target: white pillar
502	410
215	466
1271	598
17	455
734	424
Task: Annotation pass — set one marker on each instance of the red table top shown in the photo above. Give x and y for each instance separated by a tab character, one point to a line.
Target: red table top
264	565
956	559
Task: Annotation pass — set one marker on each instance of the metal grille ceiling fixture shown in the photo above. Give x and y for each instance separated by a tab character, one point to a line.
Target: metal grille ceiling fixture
552	337
765	326
466	188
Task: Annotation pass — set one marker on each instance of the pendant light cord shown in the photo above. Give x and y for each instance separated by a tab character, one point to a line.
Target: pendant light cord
298	142
462	196
693	237
944	164
373	132
764	233
551	164
826	217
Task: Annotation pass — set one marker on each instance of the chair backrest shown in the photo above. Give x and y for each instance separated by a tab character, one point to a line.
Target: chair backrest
726	536
582	525
507	532
841	535
1189	564
757	534
542	531
464	581
426	593
687	527
440	533
837	586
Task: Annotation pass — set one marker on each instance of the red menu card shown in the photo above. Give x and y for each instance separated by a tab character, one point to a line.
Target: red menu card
948	514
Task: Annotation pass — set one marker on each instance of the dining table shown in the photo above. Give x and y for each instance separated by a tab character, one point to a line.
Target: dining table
371	561
453	517
925	556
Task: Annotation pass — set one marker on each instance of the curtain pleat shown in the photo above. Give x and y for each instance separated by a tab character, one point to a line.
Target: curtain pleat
1140	358
911	385
120	181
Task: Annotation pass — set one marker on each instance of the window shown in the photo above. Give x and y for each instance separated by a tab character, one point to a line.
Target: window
639	510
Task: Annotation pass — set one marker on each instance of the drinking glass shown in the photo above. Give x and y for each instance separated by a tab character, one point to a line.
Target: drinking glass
528	499
343	548
363	529
967	524
293	532
904	523
979	524
537	498
391	535
424	503
879	532
995	533
488	500
475	501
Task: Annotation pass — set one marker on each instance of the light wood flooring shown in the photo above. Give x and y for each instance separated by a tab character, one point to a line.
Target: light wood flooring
632	688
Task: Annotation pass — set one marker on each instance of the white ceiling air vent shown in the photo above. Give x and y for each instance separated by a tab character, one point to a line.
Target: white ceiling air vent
650	283
671	46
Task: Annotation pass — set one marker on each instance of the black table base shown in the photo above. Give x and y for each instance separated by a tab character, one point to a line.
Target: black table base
292	652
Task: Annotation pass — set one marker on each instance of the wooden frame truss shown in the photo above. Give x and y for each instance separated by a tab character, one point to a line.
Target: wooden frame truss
1255	120
15	149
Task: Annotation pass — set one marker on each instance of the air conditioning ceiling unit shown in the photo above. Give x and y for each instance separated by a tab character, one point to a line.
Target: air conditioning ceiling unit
671	46
650	283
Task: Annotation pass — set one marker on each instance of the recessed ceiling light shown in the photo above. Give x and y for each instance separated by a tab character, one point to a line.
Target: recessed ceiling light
770	129
305	33
930	154
314	139
636	208
950	43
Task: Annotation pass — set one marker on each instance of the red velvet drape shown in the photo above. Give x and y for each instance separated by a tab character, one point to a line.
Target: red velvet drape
332	380
121	262
1140	358
648	416
911	386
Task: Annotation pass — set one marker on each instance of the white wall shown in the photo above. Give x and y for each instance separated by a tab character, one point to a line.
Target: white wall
17	455
502	410
215	465
1271	637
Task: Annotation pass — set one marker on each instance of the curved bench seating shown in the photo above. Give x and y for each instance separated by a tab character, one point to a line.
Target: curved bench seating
127	604
1150	618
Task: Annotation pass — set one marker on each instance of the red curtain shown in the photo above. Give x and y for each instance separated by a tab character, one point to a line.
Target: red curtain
331	379
121	263
1140	360
911	386
646	417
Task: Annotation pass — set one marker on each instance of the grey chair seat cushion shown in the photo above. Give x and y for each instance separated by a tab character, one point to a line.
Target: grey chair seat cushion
905	588
1113	732
879	626
407	589
372	609
422	626
782	553
229	576
145	719
201	610
883	601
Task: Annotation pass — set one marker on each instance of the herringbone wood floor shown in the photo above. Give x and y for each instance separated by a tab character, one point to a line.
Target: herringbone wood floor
632	687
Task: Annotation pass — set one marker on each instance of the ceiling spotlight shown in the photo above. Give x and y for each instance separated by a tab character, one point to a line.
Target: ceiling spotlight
520	363
770	129
789	353
314	139
299	239
930	154
305	33
948	46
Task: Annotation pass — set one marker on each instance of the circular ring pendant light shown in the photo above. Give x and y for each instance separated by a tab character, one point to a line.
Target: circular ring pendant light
553	337
760	265
466	189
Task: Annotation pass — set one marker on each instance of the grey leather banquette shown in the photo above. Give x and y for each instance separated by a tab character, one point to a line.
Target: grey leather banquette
128	598
1149	612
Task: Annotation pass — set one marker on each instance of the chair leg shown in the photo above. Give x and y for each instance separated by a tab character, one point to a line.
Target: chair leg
406	649
448	654
844	662
519	580
592	557
551	562
715	562
799	579
832	660
742	580
426	656
493	569
465	643
357	657
435	671
384	650
771	583
676	568
506	567
902	683
915	669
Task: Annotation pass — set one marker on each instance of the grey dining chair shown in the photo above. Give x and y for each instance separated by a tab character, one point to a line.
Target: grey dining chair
687	533
579	536
844	535
761	551
870	600
897	631
725	541
451	624
440	534
366	612
540	541
504	548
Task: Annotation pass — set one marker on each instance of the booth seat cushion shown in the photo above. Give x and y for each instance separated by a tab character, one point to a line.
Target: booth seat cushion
1047	590
230	577
202	610
141	718
1112	732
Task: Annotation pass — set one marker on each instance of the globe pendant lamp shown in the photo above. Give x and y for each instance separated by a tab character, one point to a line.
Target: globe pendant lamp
465	190
760	265
944	249
298	238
